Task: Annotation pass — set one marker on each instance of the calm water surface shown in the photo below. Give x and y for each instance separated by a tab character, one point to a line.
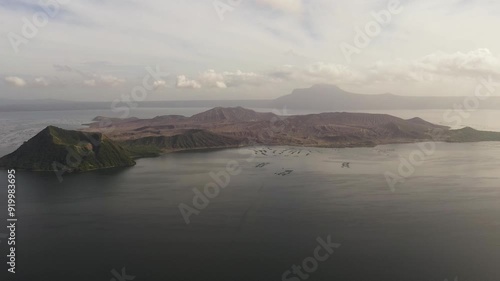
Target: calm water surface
443	222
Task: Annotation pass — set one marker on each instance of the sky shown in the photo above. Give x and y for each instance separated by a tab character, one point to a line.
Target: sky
98	50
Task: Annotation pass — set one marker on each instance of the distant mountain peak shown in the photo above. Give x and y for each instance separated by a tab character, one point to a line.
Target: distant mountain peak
230	114
331	97
326	86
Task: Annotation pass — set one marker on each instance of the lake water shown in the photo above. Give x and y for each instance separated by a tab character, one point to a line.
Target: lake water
442	222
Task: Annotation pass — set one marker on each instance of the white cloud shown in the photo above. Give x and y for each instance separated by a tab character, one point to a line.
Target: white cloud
185	83
239	78
473	63
212	79
252	38
28	83
220	84
41	81
111	80
91	82
438	66
104	81
15	81
160	84
331	72
319	72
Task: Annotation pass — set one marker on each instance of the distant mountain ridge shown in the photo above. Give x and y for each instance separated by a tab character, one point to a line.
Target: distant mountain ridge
317	97
331	97
237	126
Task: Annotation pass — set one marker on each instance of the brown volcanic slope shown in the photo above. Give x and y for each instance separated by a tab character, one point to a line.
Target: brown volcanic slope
231	127
230	114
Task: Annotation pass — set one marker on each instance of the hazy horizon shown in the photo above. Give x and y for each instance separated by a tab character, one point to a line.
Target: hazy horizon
208	98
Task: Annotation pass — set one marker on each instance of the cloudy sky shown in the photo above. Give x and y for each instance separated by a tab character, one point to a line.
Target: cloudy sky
244	49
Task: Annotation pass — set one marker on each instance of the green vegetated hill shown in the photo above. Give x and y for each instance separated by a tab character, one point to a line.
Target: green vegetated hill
189	140
55	149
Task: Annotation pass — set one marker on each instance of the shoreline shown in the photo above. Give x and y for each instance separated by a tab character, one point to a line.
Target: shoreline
214	149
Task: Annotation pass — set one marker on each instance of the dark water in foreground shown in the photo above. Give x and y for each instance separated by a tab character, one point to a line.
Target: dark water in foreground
443	222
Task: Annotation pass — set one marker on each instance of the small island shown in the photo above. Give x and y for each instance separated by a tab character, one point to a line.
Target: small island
112	142
54	148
